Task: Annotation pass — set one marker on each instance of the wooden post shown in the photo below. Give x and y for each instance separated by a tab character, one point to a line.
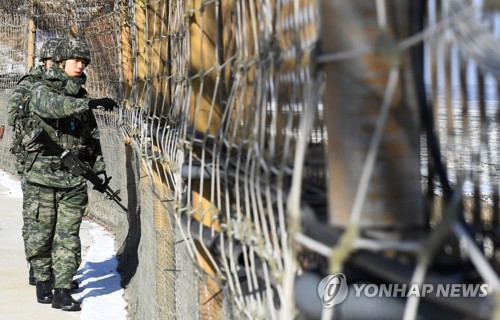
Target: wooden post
353	98
73	27
31	41
126	50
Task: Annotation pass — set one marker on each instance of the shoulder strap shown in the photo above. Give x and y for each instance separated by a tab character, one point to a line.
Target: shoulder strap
28	75
44	124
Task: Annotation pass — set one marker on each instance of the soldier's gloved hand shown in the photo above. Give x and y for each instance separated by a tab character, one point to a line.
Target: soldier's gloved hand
106	104
105	181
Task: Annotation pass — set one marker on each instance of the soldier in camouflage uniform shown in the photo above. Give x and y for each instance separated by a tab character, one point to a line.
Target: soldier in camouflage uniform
20	97
18	101
54	199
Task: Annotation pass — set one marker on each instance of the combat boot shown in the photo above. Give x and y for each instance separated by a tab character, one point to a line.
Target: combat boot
44	291
31	277
64	301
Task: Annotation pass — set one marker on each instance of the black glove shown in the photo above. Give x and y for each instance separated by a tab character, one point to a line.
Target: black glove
105	181
107	104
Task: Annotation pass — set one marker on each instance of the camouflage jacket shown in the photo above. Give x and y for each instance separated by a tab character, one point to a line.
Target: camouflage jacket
60	104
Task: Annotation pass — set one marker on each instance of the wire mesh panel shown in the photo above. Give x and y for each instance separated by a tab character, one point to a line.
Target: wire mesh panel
462	86
13	65
13	47
451	45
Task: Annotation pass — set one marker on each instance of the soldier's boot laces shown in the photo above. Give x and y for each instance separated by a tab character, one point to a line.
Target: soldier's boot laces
64	301
31	277
44	291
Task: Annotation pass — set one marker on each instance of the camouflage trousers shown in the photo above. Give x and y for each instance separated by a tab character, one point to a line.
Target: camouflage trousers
52	219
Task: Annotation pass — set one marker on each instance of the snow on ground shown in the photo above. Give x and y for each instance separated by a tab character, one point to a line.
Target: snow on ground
100	291
13	186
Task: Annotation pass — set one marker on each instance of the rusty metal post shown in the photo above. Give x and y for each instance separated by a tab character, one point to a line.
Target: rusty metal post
353	98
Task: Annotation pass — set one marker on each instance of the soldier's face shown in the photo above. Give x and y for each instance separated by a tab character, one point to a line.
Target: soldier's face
74	67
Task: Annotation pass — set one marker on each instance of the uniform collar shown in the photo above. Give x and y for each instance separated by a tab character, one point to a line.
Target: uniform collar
58	78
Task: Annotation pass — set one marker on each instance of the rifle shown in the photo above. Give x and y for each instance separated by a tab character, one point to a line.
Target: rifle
77	167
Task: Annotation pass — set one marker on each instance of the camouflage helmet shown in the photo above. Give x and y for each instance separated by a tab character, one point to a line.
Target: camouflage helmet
71	49
48	48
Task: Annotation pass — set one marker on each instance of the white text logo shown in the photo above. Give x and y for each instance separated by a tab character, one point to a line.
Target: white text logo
454	290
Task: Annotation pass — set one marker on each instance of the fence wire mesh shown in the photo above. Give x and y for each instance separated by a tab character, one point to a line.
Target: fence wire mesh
223	114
